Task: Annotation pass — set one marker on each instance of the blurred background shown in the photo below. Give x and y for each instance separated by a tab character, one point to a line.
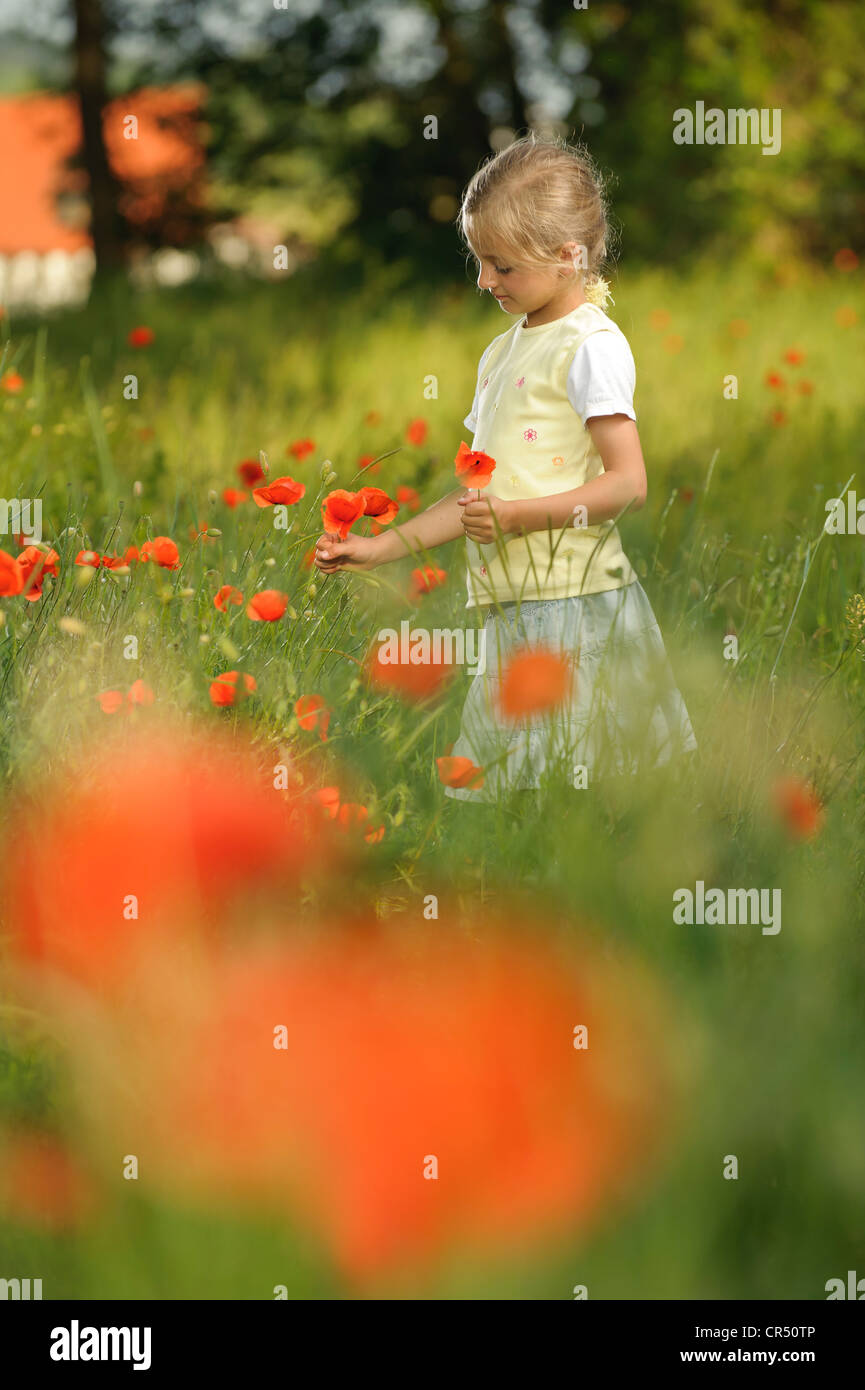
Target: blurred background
303	125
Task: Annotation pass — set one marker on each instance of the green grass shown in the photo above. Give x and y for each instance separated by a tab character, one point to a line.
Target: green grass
768	1029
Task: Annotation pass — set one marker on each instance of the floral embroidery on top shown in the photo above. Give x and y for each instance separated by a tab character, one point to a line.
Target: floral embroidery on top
521	381
484	382
530	434
558	461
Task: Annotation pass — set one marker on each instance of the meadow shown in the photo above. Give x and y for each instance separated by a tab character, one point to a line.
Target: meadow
760	1037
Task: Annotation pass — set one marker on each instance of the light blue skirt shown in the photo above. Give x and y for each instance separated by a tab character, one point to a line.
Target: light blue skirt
624	714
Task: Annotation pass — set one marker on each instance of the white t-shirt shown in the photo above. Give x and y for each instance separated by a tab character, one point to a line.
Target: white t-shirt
601	378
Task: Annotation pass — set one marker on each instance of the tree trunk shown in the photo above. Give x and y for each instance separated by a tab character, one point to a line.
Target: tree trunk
106	227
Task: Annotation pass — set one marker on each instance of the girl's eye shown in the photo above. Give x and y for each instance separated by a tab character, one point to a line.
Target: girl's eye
502	270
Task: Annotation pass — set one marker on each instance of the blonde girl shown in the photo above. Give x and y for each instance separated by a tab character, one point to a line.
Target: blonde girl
544	560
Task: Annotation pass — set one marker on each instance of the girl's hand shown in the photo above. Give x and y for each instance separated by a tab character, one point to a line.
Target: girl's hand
355	553
477	516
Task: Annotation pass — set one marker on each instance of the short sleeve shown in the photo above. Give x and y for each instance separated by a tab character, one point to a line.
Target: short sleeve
602	376
471	420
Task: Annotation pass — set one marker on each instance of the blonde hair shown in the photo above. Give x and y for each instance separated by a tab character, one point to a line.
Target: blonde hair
532	198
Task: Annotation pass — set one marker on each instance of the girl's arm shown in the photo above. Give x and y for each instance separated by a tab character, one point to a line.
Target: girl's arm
439	523
624	480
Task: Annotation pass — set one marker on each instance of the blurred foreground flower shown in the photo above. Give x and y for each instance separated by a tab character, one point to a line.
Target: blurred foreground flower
41	1183
534	681
404	1095
144	842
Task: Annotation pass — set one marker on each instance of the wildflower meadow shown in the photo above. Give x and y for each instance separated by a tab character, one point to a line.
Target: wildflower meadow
283	1020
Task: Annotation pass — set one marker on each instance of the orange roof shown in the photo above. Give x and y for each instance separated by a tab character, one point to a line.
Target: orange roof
41	131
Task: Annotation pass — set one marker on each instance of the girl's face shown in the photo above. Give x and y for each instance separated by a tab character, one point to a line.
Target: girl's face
522	291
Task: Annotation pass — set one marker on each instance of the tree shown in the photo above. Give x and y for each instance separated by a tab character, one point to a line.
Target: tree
106	226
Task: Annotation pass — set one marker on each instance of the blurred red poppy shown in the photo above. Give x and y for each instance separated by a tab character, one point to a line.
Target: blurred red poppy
797	805
459	772
233	496
312	713
140	337
227	594
225	690
267	606
250	471
535	680
416	432
300	448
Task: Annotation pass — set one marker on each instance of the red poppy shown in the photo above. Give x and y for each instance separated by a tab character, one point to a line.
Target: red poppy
845	259
227	594
250	471
89	557
11	575
372	417
797	805
233	496
408	497
313	713
183	819
35	565
686	494
141	337
139	693
267	606
417	431
163	550
367	462
12	382
113	562
224	690
353	816
795	356
341	509
300	448
535	680
376	503
472	467
309	558
426	579
778	418
775	381
459	772
328	799
424	1099
282	492
411	681
110	701
804	387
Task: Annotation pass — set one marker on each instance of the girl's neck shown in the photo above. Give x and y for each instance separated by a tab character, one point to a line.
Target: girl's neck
556	308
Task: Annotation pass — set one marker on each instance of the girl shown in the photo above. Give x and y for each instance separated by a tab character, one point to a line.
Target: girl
554	408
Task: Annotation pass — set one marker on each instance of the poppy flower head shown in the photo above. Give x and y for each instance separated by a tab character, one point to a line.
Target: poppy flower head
157	835
340	509
228	688
267	606
472	467
163	551
140	337
282	492
376	503
459	772
227	595
424	580
798	807
250	471
416	431
300	449
387	667
11	575
312	713
516	1076
536	680
234	496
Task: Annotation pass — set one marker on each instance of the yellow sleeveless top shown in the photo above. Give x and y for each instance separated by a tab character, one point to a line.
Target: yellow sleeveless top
541	446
